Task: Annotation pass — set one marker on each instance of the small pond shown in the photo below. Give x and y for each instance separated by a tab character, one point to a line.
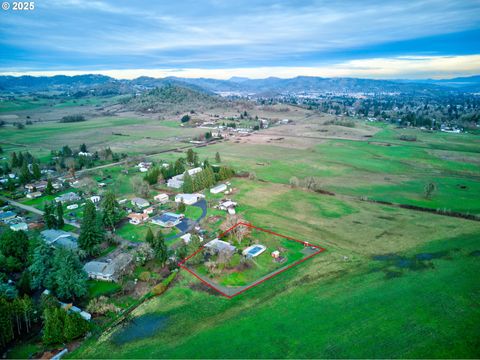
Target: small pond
139	328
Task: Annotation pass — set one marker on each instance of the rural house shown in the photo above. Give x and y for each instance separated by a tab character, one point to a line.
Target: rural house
137	218
161	198
7	215
59	238
139	202
110	269
68	197
188	199
215	246
167	219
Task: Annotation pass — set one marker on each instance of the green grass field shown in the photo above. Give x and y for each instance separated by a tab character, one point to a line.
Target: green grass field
396	173
393	283
344	300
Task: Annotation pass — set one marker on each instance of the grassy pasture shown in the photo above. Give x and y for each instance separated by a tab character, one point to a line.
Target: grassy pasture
98	133
395	173
344	300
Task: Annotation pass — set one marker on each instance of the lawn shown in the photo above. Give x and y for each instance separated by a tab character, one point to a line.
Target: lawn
428	313
98	288
239	271
137	233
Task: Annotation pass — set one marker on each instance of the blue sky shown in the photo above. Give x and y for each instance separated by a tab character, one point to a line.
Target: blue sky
126	38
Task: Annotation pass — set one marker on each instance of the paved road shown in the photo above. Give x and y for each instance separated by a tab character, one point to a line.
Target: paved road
188	224
34	210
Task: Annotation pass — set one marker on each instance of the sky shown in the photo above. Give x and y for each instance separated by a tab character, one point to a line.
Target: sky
405	39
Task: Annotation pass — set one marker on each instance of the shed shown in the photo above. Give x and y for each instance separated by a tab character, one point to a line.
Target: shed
218	189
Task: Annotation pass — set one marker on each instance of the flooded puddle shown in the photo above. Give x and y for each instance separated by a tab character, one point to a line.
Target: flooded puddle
140	328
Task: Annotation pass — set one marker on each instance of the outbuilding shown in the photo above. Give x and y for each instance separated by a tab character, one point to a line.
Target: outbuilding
161	198
218	189
188	199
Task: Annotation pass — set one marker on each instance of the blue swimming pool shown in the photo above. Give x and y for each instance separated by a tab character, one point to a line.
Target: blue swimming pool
253	251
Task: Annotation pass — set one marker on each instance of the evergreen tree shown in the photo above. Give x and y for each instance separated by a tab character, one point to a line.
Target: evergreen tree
149	237
24	284
217	157
14	160
179	166
21	159
36	171
181	207
41	267
74	327
60	221
6	324
90	233
160	248
70	280
111	211
190	156
49	188
187	183
53	320
49	215
210	175
25	175
14	244
83	148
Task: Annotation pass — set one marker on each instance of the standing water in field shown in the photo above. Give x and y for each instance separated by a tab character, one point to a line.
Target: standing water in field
139	328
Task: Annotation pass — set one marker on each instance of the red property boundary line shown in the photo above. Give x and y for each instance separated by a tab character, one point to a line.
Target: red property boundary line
182	263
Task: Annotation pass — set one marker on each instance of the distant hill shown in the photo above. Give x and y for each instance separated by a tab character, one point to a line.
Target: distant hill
173	98
468	84
302	84
100	84
51	83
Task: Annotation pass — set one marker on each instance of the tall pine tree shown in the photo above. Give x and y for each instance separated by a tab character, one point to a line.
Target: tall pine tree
91	234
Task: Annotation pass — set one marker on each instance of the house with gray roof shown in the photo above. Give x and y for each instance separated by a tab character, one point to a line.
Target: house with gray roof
60	238
7	215
109	269
68	197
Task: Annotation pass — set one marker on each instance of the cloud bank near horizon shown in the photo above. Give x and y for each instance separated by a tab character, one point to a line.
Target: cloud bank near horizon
439	67
372	38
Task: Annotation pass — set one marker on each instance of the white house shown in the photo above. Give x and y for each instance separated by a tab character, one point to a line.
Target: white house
218	189
161	198
188	199
34	195
167	219
141	203
19	226
109	270
137	218
176	182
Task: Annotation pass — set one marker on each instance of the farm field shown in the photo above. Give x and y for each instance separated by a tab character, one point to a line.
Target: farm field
386	270
420	280
395	173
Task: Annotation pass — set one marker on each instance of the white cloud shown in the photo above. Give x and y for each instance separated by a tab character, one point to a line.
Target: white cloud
402	67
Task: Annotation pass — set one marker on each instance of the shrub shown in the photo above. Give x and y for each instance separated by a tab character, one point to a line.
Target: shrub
338	122
408	137
159	289
144	276
72	118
